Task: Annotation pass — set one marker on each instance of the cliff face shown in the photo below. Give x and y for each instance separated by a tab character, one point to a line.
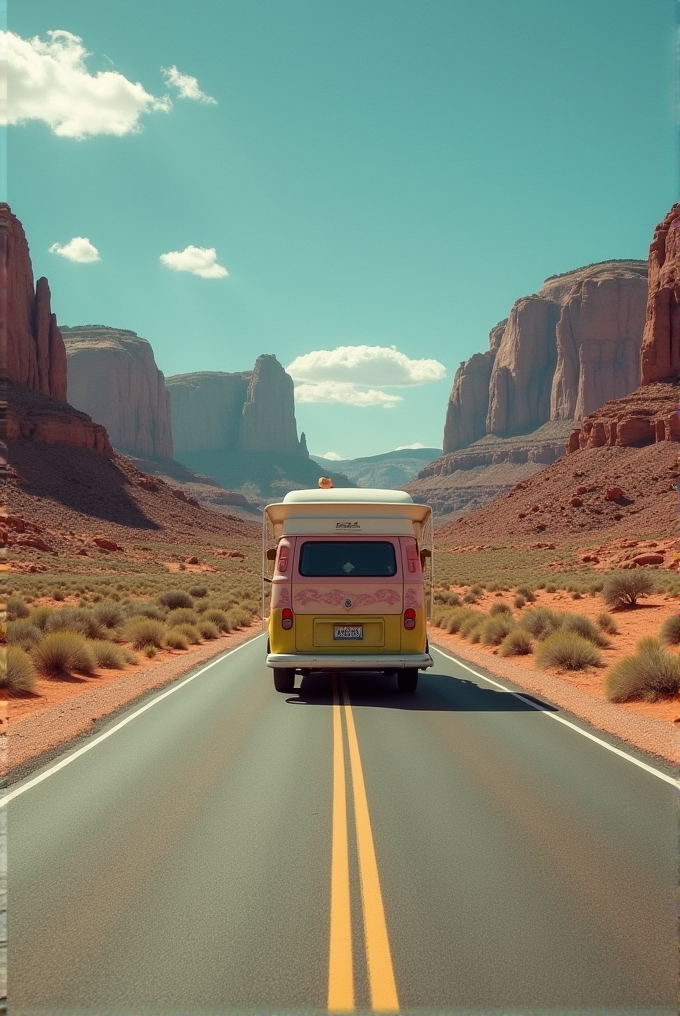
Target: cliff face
660	355
112	376
34	348
247	412
559	355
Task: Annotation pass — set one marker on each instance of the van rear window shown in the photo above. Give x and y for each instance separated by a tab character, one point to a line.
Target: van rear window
353	560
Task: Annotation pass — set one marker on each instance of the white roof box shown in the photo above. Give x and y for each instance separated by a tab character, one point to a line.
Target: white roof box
348	495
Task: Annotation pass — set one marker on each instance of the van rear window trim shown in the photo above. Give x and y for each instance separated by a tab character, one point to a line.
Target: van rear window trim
352	546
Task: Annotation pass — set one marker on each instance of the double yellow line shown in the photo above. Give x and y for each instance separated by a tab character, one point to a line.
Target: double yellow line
378	957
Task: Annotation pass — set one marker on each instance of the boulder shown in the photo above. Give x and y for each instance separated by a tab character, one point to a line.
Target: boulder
660	354
112	376
613	494
34	347
646	559
105	544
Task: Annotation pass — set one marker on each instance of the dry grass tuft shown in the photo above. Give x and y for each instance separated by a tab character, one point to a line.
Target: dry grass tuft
60	653
567	650
651	672
623	589
17	671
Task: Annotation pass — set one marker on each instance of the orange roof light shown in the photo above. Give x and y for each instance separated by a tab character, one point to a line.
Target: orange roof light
325	482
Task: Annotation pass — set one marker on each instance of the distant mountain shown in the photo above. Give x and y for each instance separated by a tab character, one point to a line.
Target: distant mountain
390	469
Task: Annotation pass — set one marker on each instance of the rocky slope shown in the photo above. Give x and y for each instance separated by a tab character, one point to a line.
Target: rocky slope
390	469
36	417
661	340
34	348
559	355
112	376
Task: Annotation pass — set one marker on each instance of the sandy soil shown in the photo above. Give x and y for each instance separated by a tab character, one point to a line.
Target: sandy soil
651	726
63	709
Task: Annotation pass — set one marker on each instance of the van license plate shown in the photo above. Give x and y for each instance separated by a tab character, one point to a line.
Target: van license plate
348	631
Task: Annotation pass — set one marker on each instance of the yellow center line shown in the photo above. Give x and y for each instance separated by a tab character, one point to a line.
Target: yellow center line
340	971
379	959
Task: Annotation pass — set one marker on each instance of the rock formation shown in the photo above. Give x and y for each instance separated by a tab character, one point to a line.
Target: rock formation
646	416
36	417
246	412
561	354
35	355
112	375
660	355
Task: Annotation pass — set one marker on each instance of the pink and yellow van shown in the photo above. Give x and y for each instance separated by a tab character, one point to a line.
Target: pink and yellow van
347	588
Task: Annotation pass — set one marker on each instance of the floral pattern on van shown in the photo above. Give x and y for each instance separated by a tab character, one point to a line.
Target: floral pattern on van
336	597
281	596
413	598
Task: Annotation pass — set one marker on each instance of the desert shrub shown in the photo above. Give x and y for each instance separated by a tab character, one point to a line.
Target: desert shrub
500	608
128	655
107	655
190	632
17	671
576	595
239	617
173	598
58	595
174	639
568	650
516	643
456	618
527	593
652	671
150	650
670	631
472	621
181	616
519	601
143	631
450	599
476	590
61	652
198	592
24	634
143	608
39	615
74	619
551	587
16	608
494	629
470	597
623	589
475	634
540	622
208	630
109	613
584	627
607	623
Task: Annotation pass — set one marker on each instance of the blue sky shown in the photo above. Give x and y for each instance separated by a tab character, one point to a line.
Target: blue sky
371	173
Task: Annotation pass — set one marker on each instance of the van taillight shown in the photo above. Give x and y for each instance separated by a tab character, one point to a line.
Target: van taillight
412	557
283	559
409	619
287	618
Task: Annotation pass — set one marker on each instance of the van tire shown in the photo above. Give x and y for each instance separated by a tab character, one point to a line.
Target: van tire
407	680
284	679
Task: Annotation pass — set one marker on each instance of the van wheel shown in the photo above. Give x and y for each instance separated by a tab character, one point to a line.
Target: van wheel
407	680
284	678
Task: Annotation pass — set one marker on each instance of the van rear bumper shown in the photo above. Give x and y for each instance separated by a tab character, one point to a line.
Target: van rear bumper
383	661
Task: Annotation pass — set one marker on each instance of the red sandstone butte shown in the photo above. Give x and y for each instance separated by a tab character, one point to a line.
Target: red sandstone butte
660	353
35	351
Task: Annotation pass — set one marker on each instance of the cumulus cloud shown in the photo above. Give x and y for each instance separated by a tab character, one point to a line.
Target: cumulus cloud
197	260
78	249
406	447
187	86
345	393
48	80
365	365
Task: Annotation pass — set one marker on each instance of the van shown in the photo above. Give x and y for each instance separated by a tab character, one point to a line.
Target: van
347	586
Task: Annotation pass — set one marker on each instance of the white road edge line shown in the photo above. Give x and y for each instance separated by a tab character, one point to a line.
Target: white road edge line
567	723
102	737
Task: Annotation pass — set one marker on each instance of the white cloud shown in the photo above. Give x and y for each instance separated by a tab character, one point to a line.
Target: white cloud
365	365
333	456
187	86
406	447
48	80
78	249
345	393
197	260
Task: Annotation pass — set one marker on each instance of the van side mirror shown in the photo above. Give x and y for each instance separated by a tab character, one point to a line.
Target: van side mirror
271	554
424	554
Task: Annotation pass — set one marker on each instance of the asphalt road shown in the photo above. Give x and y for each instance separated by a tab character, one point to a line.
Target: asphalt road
234	850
